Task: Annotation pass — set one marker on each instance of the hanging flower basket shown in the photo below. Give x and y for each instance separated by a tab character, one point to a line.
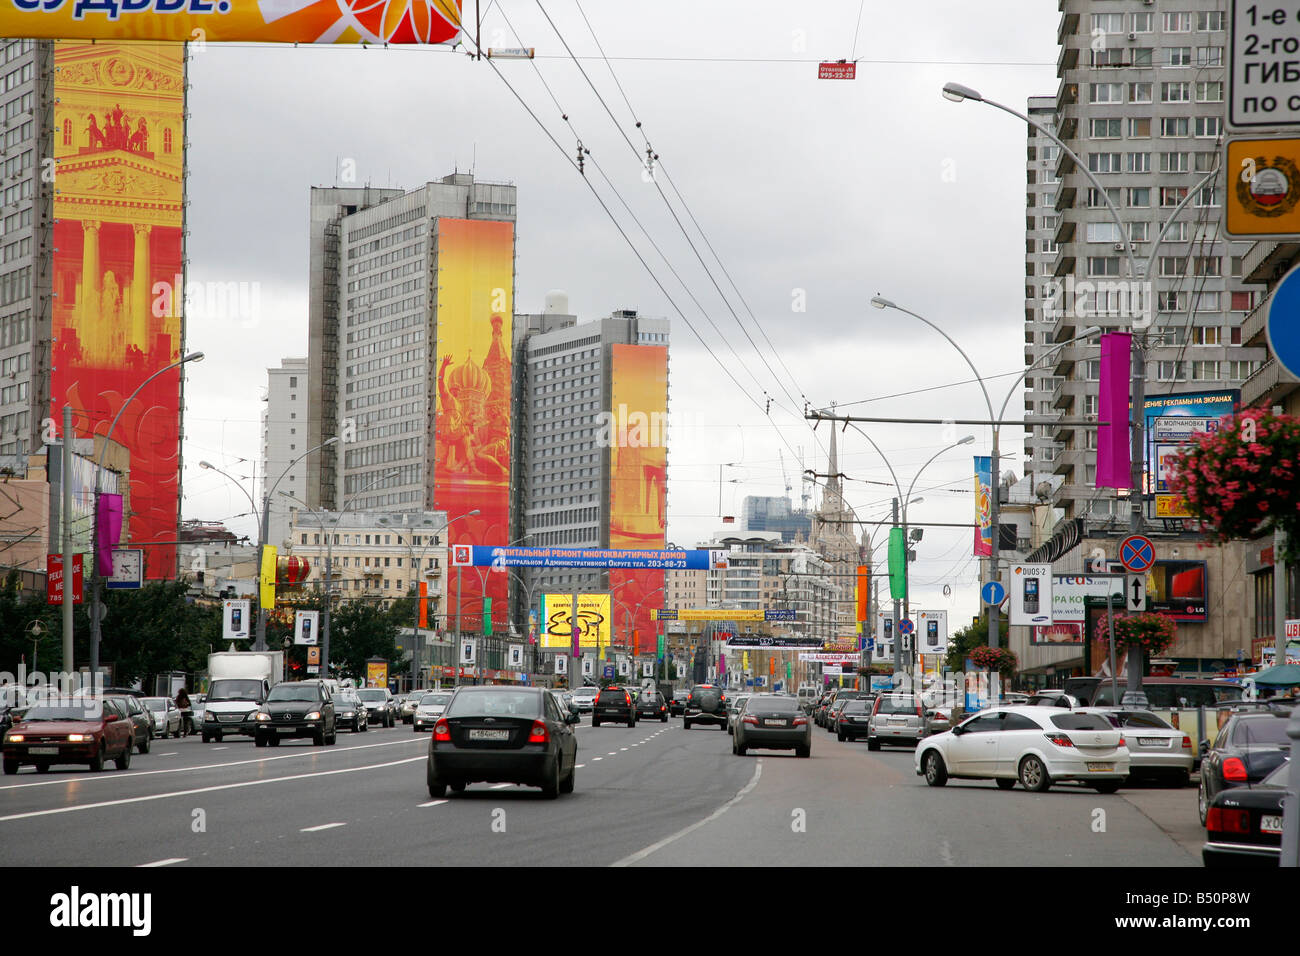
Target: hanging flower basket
1244	478
1152	632
997	659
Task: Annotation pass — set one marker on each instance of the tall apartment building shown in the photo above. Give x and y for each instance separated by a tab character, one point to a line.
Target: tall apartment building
775	513
1041	220
573	419
1141	102
284	440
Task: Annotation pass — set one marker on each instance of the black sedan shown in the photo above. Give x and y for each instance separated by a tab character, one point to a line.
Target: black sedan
1249	747
677	706
652	706
1243	827
854	719
297	710
498	734
772	722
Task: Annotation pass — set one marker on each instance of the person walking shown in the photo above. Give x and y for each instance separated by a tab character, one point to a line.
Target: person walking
187	712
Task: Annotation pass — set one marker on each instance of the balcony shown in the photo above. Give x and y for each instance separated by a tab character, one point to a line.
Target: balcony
1268	261
1065	231
1068	60
1065	198
1268	385
1067	94
1068	26
1253	329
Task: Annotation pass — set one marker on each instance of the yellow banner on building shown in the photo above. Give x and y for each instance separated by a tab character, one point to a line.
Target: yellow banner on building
593	619
713	614
255	21
267	590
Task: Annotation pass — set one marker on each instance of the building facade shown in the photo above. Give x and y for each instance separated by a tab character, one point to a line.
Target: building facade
284	442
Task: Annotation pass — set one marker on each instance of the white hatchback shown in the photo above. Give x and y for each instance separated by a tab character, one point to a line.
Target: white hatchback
1038	746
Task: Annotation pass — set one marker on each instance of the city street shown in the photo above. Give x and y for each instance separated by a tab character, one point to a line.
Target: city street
653	795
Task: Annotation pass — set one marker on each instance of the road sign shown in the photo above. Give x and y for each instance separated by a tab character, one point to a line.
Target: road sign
1263	198
1137	553
905	626
1263	81
1283	323
993	592
54	579
1135	592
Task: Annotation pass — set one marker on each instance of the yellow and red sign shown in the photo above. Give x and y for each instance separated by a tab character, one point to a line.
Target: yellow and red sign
255	21
1263	199
376	673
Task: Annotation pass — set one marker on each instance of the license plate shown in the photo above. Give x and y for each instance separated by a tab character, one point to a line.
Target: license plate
1102	767
1270	824
774	723
489	735
1152	741
44	751
286	730
897	720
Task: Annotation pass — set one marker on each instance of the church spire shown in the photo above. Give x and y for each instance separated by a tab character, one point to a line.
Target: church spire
833	499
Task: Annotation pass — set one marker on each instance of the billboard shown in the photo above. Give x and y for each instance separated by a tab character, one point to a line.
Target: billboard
1057	635
932	628
118	142
1031	594
471	449
983	505
638	466
593	618
1171	421
1177	589
255	21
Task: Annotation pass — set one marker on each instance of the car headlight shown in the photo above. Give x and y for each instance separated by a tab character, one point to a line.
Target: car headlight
262	715
79	738
348	713
14	738
314	715
209	715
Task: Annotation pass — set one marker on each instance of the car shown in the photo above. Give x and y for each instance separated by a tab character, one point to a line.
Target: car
13	704
585	698
140	718
350	711
839	693
895	719
819	709
302	709
431	706
1015	699
1037	746
1053	698
772	722
706	704
833	713
943	717
502	734
733	706
1156	749
80	729
1250	745
1169	692
652	706
855	719
165	715
678	703
380	706
409	703
1243	825
615	703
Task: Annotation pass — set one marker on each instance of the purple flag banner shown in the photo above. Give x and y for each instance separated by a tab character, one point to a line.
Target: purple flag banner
1113	461
109	522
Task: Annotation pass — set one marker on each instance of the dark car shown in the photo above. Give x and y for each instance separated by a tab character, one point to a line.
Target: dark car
819	709
297	710
491	734
81	730
854	719
614	703
677	705
833	714
380	705
772	722
1243	827
350	712
1249	747
707	704
141	720
652	706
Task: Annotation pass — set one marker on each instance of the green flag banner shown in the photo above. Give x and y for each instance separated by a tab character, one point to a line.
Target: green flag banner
897	564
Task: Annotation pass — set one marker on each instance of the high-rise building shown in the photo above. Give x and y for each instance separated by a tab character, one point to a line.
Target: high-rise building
591	449
775	513
284	441
833	537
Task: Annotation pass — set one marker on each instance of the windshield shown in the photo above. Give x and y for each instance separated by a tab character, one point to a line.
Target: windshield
294	692
1261	730
892	704
90	710
772	705
494	703
372	694
156	703
435	700
1080	722
234	690
1138	718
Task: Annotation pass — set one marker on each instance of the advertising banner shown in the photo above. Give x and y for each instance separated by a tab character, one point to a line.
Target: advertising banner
266	590
698	614
117	313
1177	589
932	626
1057	635
1172	421
638	474
983	509
593	621
306	627
223	21
516	656
773	640
376	673
1070	594
54	579
488	556
472	438
235	620
1031	595
1113	464
861	595
828	658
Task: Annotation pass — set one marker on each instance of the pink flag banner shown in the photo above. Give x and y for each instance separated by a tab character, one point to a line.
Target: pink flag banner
109	522
1113	461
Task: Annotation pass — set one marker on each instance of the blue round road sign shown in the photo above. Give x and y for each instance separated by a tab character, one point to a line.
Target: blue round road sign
905	626
993	592
1137	553
1283	323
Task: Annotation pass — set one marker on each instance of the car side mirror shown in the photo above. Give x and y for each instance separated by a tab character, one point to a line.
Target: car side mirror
959	730
573	718
1205	746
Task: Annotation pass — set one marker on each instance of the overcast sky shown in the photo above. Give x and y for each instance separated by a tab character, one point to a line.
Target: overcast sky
820	192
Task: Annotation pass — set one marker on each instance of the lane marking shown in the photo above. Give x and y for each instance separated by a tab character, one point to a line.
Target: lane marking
579	766
215	749
622	749
433	803
654	847
597	758
171	754
213	789
175	859
323	826
500	786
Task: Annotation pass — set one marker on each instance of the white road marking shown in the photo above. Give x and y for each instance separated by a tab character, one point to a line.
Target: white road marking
579	766
213	789
612	753
500	786
597	758
171	754
433	803
175	859
323	826
220	748
642	854
622	749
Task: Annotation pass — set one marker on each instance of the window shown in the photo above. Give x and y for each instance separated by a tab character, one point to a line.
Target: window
1107	23
1169	371
1173	266
1206	335
1090	404
1242	302
1142	56
1209	127
1171	196
1139	197
1175	162
1205	371
293	381
1139	92
1209	56
1106	92
1175	92
1092	369
167	140
1236	267
1144	23
1139	127
1174	126
1177	232
1171	301
1209	91
1139	231
1138	162
1178	23
1109	58
1239	371
1205	302
1207	197
1209	21
1176	56
1104	128
1103	265
1103	232
1104	162
1207	266
1205	162
1095	200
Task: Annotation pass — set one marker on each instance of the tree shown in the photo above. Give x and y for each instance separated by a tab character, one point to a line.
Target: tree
967	639
360	630
157	629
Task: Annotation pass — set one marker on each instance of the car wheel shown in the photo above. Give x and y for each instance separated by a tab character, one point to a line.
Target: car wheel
11	767
1202	802
42	766
1033	775
437	789
273	741
457	787
873	744
364	727
551	785
97	764
803	751
936	774
259	741
595	721
144	747
740	749
318	739
217	736
333	738
840	736
414	729
663	719
124	761
686	724
1006	783
568	783
631	723
1107	786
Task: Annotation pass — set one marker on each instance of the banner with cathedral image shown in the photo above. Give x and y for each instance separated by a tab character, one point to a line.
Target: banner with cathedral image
118	140
476	261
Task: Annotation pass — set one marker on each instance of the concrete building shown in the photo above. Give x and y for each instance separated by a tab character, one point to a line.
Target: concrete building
284	440
775	513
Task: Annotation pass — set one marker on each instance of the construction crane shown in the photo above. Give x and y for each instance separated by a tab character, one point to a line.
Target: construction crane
784	477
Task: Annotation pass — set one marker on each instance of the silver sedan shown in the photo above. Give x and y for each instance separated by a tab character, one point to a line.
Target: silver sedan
165	715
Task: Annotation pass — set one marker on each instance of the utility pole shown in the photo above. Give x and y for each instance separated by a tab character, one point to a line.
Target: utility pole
898	638
69	667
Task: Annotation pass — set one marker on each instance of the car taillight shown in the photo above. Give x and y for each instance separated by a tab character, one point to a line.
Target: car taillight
628	698
539	734
1227	821
751	720
1187	742
940	715
801	721
1122	742
919	712
1234	770
442	731
1061	740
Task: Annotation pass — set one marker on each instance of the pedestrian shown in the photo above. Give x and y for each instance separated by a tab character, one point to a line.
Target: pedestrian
187	712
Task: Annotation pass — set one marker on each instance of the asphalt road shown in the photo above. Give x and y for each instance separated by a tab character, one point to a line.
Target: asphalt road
653	795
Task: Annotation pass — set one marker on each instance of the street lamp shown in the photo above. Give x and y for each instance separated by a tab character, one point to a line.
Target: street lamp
99	468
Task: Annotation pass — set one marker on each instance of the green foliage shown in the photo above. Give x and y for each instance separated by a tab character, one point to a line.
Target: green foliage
968	638
359	630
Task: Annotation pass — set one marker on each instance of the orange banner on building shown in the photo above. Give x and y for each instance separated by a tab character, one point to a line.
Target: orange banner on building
217	21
